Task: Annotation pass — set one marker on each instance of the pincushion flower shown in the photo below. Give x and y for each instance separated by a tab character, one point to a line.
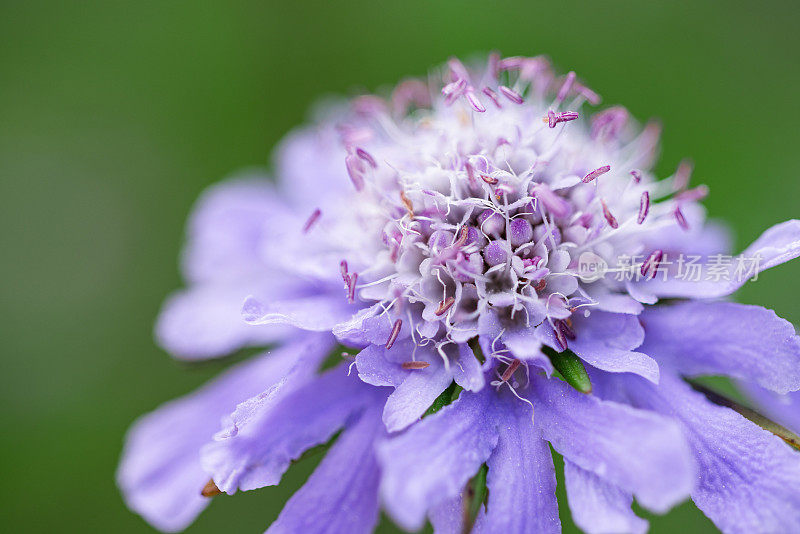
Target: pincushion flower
495	262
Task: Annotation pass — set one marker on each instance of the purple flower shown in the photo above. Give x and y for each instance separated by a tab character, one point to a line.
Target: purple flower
496	265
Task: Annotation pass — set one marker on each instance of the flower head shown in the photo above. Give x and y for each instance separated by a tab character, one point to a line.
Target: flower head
494	256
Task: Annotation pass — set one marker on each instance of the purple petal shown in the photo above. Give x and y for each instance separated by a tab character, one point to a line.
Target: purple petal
783	409
605	340
599	507
749	479
639	451
430	463
447	517
466	369
270	430
227	227
777	245
374	368
342	493
318	313
206	322
746	342
413	397
160	472
521	478
525	345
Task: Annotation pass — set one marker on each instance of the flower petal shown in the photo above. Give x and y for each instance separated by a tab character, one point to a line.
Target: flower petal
342	494
205	321
270	430
413	397
783	409
160	472
639	451
227	227
746	342
777	245
432	461
467	370
521	478
605	340
599	507
749	479
318	313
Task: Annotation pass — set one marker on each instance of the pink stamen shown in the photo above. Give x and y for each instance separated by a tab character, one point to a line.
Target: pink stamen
682	175
355	169
565	327
554	118
693	195
566	86
311	220
492	96
510	94
463	234
596	173
540	285
343	270
592	97
453	90
415	365
444	305
351	289
366	156
395	332
474	102
491	180
644	207
650	266
509	372
681	219
612	221
560	337
637	176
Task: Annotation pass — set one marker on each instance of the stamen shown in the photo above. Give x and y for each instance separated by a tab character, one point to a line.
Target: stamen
592	97
492	96
414	365
510	94
407	203
311	220
453	90
554	118
343	270
680	218
210	489
612	221
682	175
355	169
444	305
644	207
474	102
351	288
491	180
540	285
566	328
693	195
650	266
596	173
509	372
637	176
395	332
560	337
463	235
366	156
566	86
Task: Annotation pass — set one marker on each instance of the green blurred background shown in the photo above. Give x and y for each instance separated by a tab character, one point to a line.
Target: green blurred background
115	116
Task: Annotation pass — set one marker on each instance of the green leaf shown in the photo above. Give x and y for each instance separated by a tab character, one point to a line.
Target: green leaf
571	369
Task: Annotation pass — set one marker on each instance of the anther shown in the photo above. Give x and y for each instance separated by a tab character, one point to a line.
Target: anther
637	176
596	173
366	156
210	489
644	207
693	195
682	175
407	203
492	96
444	305
560	337
540	285
351	288
355	169
566	86
592	97
311	220
463	235
566	328
395	332
554	118
509	372
650	266
612	221
415	365
510	94
680	218
474	102
491	180
343	270
453	90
